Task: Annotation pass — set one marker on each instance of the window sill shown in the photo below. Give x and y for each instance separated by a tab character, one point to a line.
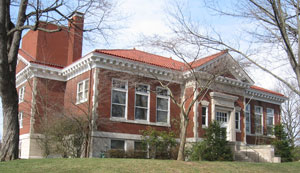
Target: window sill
204	126
238	131
144	122
80	102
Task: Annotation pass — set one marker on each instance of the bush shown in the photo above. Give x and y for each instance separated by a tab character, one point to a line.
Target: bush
282	145
195	152
296	153
214	147
138	154
160	143
115	153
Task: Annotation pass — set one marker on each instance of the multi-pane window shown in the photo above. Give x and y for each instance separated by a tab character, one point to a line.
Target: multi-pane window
204	113
248	119
258	119
21	94
237	120
119	98
117	144
270	121
21	119
221	117
162	105
82	91
141	102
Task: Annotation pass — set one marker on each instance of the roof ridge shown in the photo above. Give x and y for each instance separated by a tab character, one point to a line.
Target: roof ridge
221	52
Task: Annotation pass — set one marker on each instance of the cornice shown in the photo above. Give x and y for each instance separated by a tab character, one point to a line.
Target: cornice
98	60
263	96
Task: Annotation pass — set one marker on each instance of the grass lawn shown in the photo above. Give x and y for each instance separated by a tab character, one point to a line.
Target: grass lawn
141	165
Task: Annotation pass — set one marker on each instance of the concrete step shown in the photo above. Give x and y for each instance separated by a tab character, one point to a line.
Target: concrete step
240	156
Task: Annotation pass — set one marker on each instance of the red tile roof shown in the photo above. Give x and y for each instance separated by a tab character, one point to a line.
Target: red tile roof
26	55
266	90
141	56
47	64
30	59
204	60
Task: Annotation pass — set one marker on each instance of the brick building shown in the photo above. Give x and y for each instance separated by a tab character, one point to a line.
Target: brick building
120	89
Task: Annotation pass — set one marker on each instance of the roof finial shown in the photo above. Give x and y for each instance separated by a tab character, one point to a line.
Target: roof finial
134	48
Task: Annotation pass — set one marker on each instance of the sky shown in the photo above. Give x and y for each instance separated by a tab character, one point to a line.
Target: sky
148	17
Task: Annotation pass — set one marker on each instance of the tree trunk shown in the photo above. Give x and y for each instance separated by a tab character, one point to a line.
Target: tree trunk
183	127
10	140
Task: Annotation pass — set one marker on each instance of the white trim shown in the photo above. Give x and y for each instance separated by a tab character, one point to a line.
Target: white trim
24	60
273	117
163	97
206	116
261	114
114	135
21	94
140	122
126	98
239	121
85	86
263	96
21	120
148	101
245	112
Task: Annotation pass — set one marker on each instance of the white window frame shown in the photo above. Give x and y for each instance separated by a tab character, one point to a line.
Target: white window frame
222	113
21	94
273	116
126	97
148	105
20	120
206	116
262	119
84	87
248	112
237	121
163	97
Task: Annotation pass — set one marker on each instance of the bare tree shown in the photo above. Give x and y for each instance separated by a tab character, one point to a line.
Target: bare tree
274	28
290	113
195	85
30	15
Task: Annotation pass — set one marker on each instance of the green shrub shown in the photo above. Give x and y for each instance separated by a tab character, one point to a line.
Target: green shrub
161	143
282	145
296	153
115	153
195	151
214	147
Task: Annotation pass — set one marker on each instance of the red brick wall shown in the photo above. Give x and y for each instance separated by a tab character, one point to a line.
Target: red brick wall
49	101
189	96
47	47
104	105
201	131
71	93
25	106
264	105
240	103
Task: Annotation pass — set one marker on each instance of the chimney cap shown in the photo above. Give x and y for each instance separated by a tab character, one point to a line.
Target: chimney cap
76	13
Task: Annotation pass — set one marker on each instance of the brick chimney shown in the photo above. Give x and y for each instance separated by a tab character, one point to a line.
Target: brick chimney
75	37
